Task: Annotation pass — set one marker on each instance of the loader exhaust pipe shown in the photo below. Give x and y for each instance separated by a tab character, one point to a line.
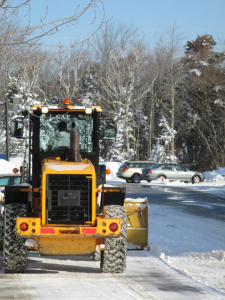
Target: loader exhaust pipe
74	144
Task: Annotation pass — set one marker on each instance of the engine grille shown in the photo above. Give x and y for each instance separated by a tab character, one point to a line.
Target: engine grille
68	199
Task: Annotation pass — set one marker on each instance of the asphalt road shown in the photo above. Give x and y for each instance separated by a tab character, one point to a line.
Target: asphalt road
189	201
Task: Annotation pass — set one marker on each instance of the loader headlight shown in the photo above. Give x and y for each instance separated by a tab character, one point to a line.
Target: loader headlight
44	109
88	110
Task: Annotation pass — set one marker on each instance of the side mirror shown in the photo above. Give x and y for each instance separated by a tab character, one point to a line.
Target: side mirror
17	128
110	131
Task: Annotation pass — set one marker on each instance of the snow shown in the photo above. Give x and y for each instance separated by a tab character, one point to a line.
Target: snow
204	63
217	88
196	71
197	255
71	167
7	167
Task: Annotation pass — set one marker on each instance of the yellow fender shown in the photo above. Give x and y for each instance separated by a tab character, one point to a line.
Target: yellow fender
137	223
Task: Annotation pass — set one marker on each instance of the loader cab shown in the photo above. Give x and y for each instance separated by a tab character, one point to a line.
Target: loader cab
44	130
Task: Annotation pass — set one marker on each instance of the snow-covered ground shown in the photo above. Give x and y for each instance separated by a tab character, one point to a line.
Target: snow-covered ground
191	245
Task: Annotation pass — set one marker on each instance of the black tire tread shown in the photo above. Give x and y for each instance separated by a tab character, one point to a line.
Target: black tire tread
113	258
14	249
97	255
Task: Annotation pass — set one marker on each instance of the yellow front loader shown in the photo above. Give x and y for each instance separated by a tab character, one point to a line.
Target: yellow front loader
62	206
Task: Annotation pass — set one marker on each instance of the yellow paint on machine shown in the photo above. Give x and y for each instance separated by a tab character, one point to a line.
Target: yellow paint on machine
66	246
55	166
35	230
137	223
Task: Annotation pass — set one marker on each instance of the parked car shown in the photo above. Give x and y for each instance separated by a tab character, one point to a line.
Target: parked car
8	179
131	171
172	172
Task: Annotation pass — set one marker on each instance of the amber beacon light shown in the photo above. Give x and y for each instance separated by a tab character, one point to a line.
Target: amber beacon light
66	101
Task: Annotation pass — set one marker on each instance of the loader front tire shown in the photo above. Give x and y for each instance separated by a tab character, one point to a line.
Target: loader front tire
113	258
14	249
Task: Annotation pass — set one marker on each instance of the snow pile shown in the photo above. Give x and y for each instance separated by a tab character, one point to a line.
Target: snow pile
113	167
215	176
7	167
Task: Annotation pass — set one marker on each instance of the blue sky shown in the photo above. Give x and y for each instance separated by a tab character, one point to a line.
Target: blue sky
192	17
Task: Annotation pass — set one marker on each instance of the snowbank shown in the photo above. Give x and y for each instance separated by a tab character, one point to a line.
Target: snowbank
7	167
113	167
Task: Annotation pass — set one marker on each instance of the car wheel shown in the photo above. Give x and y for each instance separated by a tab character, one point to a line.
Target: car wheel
136	178
129	180
196	179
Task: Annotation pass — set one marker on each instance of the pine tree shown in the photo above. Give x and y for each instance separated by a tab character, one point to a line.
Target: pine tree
204	95
161	150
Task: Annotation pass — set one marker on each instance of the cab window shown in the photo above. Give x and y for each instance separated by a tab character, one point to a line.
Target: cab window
17	179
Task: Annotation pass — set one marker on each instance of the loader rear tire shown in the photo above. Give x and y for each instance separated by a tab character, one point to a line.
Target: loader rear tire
113	258
97	255
14	249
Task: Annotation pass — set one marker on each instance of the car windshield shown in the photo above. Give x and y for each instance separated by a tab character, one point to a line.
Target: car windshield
51	133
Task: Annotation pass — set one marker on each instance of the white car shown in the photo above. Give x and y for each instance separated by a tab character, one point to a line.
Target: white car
8	179
131	171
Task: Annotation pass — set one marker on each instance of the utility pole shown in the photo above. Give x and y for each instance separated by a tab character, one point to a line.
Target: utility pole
7	128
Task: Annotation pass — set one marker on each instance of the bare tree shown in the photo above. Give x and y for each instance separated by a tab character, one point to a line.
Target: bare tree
124	87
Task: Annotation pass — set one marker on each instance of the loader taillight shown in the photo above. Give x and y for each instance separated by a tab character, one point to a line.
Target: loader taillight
150	171
113	227
125	169
23	226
